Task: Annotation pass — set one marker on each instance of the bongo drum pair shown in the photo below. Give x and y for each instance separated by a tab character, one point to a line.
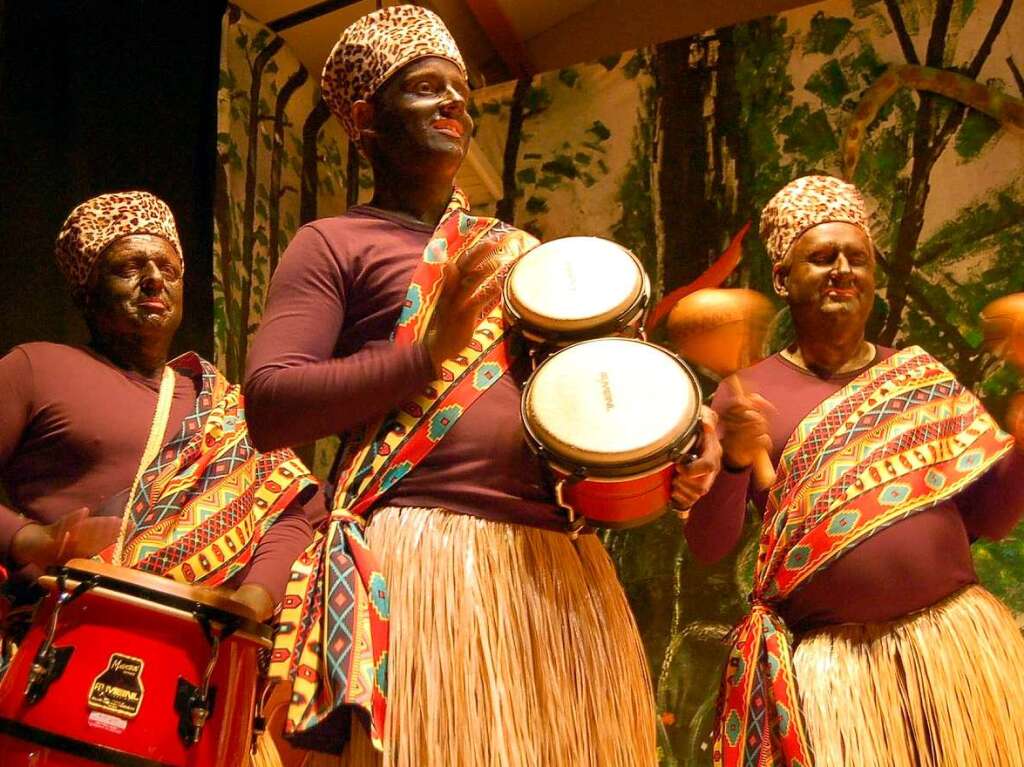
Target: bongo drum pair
121	667
608	413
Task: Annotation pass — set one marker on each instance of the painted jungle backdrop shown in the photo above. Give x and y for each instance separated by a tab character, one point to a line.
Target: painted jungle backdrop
670	151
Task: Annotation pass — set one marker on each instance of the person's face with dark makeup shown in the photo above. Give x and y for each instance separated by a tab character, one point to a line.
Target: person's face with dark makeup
417	122
828	275
135	290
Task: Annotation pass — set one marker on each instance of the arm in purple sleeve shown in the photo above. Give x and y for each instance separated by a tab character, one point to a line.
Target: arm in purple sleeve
15	411
272	562
715	524
296	391
993	505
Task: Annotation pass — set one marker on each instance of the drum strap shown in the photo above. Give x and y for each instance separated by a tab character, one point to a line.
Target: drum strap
153	443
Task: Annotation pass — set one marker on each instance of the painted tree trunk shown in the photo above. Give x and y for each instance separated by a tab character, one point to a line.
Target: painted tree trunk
277	157
310	160
222	218
352	164
249	209
506	207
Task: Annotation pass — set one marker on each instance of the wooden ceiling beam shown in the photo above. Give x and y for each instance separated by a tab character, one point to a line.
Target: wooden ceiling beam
613	26
502	36
310	12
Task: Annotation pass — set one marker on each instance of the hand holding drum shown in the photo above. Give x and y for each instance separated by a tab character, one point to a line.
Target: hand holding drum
722	331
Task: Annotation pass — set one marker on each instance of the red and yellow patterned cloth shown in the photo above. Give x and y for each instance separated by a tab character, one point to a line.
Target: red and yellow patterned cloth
898	439
333	637
209	497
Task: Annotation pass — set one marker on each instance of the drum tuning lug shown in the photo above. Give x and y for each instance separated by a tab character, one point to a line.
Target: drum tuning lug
47	667
575	527
51	661
193	709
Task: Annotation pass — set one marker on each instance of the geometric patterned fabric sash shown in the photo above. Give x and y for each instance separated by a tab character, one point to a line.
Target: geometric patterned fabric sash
207	499
901	437
333	631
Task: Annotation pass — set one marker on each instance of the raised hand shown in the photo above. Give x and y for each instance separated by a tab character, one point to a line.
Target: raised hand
745	430
75	535
469	288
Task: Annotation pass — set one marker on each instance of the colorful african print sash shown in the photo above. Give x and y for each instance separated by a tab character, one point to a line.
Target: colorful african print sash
333	636
208	497
898	439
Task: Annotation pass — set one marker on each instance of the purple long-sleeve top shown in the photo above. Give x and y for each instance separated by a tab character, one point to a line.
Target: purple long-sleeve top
910	565
72	429
322	363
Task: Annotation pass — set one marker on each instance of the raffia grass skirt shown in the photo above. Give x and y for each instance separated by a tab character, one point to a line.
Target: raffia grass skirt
941	688
510	646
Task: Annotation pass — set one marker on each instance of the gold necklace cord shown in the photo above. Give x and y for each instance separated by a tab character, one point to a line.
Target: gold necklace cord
153	444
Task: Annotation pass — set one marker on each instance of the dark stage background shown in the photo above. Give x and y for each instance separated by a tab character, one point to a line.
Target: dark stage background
99	96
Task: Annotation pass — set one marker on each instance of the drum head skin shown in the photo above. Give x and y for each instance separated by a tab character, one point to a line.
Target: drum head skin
574	283
611	402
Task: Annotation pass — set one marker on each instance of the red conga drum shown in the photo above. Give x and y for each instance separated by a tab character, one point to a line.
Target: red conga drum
611	417
576	288
126	668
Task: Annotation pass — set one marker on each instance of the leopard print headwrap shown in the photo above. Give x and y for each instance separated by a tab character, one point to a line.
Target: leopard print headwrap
97	222
374	48
805	203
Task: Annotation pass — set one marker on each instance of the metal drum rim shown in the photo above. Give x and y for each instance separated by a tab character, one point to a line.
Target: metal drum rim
540	333
175	599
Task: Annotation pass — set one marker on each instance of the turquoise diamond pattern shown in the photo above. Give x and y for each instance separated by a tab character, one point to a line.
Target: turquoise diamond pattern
894	494
784	718
395	474
843	523
436	252
442	421
413	302
733	726
935	479
798	557
379	595
970	460
486	375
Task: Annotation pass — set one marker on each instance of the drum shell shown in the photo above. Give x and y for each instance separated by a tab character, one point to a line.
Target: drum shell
171	644
619	502
545	341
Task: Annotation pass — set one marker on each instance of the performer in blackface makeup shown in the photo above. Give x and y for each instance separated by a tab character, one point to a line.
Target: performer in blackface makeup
110	449
887	470
510	643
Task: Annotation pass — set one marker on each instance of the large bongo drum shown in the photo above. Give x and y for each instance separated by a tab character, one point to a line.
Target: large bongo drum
611	417
126	668
576	288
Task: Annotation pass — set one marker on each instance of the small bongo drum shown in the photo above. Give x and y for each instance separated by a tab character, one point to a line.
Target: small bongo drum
576	288
611	417
122	667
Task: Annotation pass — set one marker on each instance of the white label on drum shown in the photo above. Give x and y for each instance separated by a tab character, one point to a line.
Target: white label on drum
108	722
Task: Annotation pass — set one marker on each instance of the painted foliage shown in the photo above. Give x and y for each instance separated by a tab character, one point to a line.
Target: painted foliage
671	150
282	163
